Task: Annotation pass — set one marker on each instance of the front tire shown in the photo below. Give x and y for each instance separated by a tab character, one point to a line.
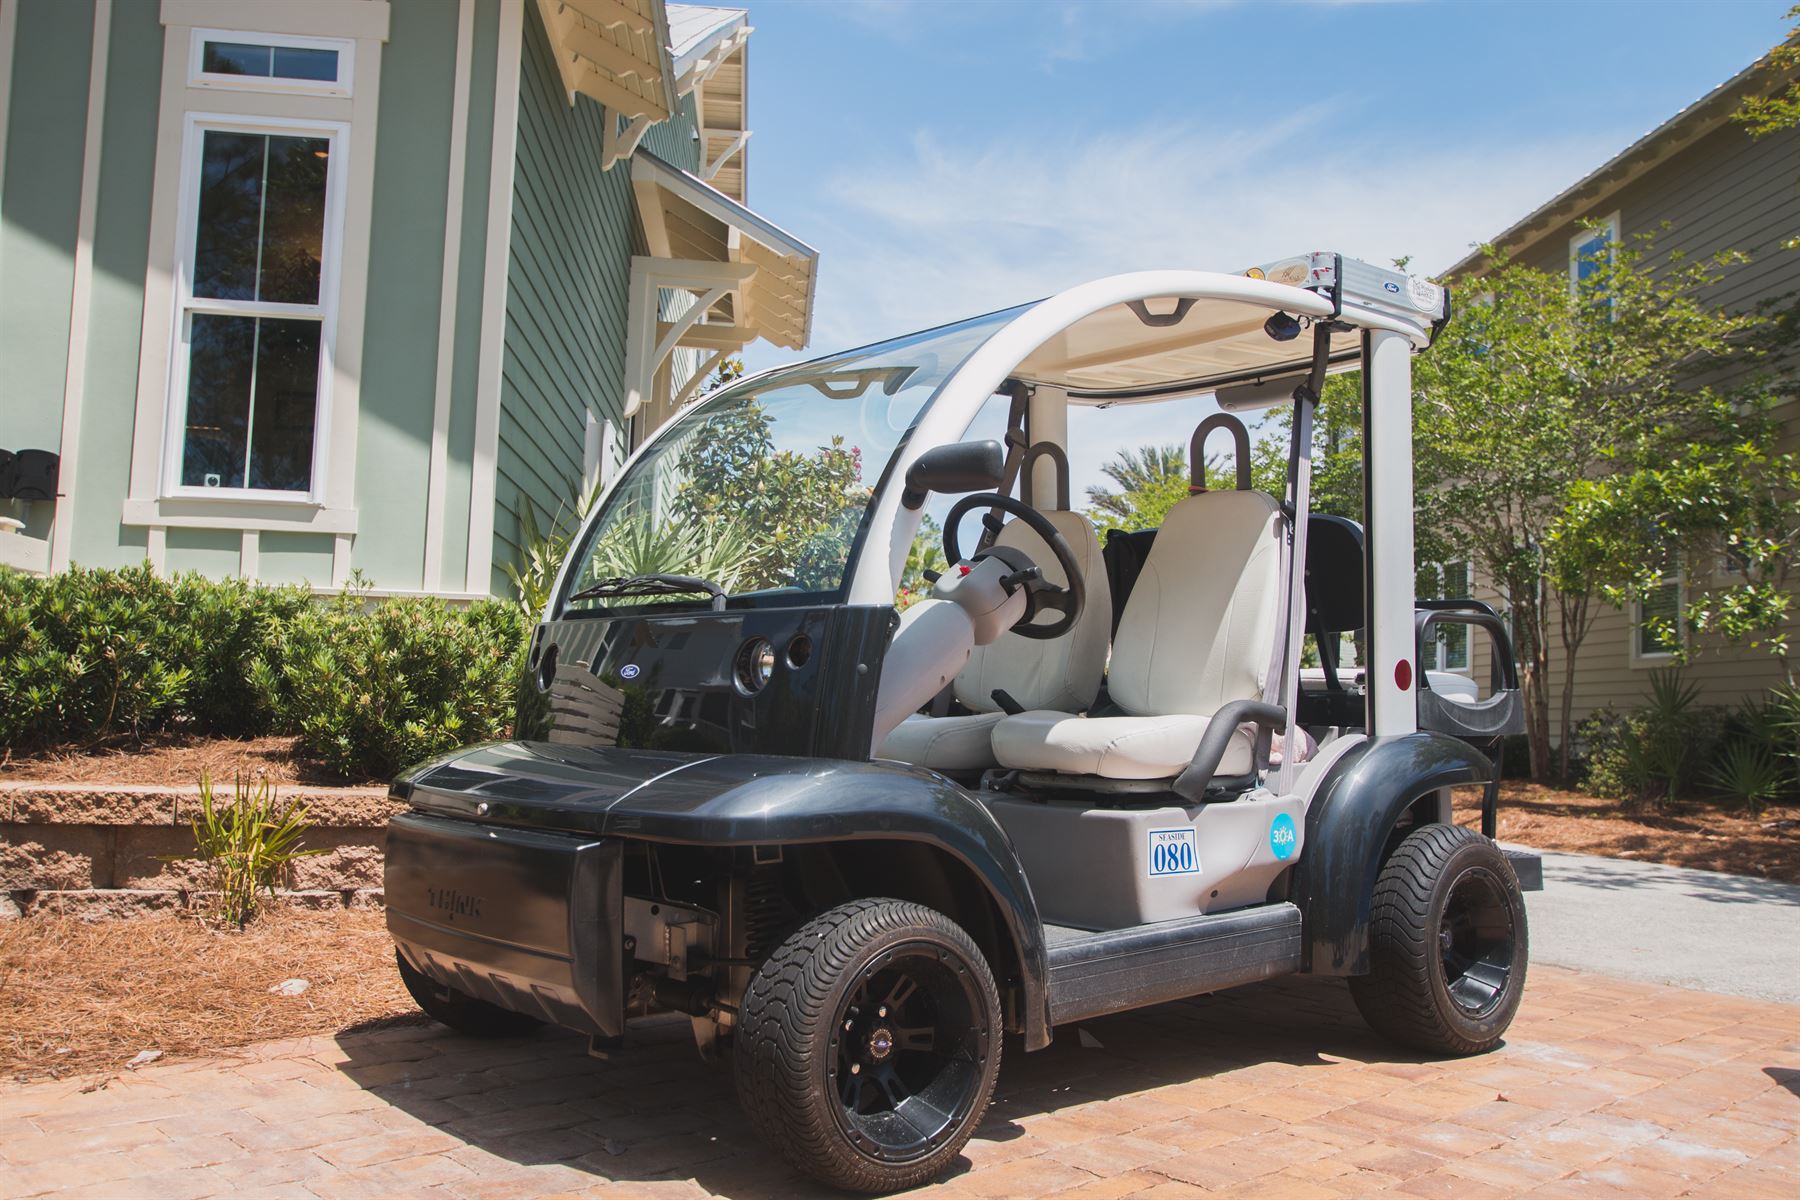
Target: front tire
868	1045
462	1012
1448	944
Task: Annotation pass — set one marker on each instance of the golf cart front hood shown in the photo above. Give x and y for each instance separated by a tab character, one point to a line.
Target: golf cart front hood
698	798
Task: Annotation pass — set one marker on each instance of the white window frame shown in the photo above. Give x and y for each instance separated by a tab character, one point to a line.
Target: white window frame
201	78
186	304
1581	237
1658	658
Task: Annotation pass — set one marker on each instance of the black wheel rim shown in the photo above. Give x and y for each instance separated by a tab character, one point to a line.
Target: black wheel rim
1476	939
908	1051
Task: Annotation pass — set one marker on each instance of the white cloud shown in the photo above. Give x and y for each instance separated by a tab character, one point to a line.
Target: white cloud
937	232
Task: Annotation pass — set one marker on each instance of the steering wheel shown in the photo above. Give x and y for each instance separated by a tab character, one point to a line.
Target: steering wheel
1040	593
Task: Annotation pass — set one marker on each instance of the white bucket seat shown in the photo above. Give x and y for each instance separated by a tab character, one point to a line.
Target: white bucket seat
1198	632
1061	673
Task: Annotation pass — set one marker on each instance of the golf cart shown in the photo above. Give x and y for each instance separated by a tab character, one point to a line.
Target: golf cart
857	846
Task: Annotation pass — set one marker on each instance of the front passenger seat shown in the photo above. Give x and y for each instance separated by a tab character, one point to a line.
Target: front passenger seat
1198	632
1062	673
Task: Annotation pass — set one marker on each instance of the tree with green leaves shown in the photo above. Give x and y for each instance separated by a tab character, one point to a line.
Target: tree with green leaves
802	507
1530	392
1147	483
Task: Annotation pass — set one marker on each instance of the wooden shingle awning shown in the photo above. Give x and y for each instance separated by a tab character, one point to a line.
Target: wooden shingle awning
749	278
616	52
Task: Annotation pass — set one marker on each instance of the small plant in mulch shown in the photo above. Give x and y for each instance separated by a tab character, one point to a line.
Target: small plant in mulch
247	846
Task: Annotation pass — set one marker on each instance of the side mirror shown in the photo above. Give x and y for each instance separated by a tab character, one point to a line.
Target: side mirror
958	467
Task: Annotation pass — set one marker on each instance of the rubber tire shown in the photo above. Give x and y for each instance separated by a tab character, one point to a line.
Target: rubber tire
462	1012
1404	997
783	1045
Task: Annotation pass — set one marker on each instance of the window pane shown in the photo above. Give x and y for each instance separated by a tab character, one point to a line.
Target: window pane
294	221
1662	605
270	62
262	217
287	393
259	420
218	404
294	63
236	58
1456	637
225	241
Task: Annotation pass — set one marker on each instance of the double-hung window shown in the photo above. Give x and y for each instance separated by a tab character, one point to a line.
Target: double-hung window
1656	627
1449	648
1589	251
256	275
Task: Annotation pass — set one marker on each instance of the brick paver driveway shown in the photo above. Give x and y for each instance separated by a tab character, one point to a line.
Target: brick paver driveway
1604	1089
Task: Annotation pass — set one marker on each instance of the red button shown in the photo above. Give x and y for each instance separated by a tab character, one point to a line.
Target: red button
964	570
1403	675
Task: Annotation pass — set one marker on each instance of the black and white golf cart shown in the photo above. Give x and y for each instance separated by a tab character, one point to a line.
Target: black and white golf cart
856	845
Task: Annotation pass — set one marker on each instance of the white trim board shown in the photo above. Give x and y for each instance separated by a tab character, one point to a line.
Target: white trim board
436	483
483	485
62	529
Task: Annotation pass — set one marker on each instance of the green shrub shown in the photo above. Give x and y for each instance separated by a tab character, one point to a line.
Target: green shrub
1747	773
1655	753
371	690
93	653
90	653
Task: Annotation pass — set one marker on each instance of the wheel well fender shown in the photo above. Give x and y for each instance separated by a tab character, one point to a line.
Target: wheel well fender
831	873
1367	802
912	830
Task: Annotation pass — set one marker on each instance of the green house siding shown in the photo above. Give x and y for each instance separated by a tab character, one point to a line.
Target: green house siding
406	262
48	108
572	242
116	303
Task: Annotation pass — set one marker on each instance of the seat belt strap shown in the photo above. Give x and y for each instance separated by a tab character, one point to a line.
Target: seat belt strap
1018	441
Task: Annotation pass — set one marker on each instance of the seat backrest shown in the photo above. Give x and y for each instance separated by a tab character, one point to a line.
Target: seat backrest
1062	673
1200	627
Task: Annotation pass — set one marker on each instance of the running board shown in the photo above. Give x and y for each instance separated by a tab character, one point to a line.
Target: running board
1092	974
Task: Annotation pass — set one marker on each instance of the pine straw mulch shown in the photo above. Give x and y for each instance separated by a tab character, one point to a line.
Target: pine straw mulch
177	760
1692	833
85	996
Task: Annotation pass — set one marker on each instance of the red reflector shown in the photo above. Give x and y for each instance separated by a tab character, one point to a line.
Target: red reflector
1403	675
961	570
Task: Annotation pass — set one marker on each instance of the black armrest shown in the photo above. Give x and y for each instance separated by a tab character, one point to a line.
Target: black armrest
1191	784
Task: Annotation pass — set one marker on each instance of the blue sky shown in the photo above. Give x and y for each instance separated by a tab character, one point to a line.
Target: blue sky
949	158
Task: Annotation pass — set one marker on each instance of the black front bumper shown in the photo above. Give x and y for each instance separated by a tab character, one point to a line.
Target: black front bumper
526	920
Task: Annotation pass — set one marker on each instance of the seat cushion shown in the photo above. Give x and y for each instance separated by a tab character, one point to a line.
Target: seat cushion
1111	747
944	743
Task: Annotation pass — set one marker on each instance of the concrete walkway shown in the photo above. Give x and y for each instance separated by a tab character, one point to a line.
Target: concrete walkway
1670	925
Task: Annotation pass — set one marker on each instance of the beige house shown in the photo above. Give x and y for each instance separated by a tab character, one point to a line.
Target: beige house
1705	185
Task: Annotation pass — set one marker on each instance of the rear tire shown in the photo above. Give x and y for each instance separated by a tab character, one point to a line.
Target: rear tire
1448	944
868	1045
460	1011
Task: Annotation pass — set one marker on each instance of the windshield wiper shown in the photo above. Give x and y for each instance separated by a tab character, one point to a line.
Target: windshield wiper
653	585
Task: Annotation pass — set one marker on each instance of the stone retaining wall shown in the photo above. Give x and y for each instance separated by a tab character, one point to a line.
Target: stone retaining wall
100	849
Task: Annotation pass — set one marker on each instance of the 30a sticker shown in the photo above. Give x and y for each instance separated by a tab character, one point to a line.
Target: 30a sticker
1284	838
1173	852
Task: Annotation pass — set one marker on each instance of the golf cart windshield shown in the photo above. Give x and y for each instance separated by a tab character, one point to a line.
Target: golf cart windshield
761	489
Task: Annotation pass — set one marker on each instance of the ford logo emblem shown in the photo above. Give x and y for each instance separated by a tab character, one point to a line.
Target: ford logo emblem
629	671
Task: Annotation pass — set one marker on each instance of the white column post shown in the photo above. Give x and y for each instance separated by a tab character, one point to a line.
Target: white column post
1047	419
1388	484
